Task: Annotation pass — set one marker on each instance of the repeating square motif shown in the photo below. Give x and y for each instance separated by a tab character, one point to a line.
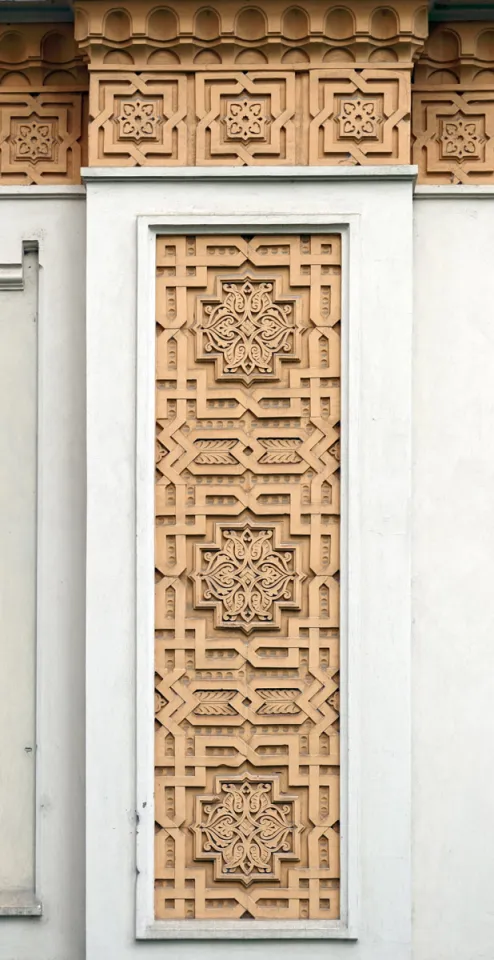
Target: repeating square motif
361	116
453	136
39	138
245	118
138	119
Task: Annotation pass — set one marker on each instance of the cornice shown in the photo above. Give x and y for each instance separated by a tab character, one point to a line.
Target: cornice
404	172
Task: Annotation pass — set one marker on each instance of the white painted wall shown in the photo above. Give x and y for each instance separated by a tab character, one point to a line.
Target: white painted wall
376	209
55	218
453	568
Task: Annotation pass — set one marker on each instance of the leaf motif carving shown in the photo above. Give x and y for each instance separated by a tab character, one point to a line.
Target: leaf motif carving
278	701
214	703
280	450
215	451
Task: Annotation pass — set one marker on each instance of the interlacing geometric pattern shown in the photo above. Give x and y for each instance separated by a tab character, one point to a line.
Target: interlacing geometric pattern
247	577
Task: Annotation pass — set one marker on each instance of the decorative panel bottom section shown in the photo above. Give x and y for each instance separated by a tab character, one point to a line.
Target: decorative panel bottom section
247	574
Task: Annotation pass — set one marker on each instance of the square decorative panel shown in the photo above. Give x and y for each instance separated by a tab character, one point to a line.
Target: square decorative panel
247	791
245	118
137	119
359	116
40	138
453	136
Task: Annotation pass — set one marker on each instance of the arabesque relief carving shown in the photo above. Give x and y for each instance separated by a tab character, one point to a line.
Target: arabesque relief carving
43	104
453	105
247	792
246	829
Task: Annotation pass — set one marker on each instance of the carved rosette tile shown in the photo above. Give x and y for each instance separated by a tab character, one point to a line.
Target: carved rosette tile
138	119
247	561
247	828
245	118
360	119
247	330
461	137
247	579
34	140
40	138
363	114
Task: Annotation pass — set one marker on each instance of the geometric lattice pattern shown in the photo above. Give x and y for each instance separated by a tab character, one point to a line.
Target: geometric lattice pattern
247	570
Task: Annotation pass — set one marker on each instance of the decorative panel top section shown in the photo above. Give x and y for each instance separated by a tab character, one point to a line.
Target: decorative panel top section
247	791
453	105
43	104
187	32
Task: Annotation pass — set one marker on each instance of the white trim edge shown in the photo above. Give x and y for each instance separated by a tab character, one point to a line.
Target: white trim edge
460	191
156	174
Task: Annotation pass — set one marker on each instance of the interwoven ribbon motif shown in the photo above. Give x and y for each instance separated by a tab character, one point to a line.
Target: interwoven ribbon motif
247	577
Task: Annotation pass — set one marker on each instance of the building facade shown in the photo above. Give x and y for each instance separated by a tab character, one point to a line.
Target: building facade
246	667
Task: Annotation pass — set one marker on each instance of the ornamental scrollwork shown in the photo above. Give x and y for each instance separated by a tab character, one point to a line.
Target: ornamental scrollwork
246	578
247	330
247	829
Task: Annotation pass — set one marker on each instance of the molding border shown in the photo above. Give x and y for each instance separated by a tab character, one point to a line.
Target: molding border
456	192
146	925
17	904
37	192
394	172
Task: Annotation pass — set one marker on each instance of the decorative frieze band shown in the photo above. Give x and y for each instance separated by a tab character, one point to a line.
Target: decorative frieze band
234	85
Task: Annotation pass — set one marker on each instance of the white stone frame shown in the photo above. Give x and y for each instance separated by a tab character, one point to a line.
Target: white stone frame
372	208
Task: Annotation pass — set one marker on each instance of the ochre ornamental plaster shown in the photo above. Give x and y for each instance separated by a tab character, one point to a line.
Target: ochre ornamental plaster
247	794
453	105
43	104
234	85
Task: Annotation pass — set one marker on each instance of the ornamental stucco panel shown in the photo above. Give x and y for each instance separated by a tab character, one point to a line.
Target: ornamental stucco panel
247	793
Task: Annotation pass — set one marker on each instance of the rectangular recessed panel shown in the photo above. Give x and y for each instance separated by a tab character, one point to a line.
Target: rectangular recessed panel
247	574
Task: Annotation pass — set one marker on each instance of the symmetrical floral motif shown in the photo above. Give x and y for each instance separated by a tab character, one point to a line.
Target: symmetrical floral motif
245	120
359	118
246	577
138	119
34	140
247	330
40	137
461	138
247	829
